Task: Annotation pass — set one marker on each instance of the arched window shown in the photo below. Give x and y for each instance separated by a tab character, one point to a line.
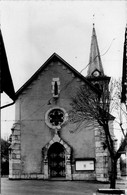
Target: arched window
55	87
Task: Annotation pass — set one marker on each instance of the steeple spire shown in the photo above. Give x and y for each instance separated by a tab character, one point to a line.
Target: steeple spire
95	64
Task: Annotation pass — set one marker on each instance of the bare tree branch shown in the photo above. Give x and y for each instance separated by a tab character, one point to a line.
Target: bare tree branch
87	105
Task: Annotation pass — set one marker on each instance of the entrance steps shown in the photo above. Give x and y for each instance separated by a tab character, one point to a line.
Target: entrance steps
58	179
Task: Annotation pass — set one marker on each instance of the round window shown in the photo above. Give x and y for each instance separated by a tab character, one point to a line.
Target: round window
55	117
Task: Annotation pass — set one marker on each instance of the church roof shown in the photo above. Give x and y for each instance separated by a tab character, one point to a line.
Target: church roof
53	57
95	62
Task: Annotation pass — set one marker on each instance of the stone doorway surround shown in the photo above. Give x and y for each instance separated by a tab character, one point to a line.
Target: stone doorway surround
56	160
45	168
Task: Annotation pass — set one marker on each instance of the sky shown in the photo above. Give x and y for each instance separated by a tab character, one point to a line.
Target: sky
34	30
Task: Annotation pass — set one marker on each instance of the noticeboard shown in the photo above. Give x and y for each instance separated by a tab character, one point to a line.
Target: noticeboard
85	165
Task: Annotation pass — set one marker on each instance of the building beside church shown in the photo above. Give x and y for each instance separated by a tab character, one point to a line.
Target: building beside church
124	72
44	143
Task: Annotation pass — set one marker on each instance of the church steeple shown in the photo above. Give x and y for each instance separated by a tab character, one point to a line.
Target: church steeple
95	72
95	67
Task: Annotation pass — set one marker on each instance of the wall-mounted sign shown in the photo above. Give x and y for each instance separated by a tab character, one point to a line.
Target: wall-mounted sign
85	165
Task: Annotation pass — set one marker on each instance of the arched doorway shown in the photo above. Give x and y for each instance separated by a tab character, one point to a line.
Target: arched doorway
56	160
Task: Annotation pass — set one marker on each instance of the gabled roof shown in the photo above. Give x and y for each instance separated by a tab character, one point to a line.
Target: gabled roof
53	57
6	79
95	62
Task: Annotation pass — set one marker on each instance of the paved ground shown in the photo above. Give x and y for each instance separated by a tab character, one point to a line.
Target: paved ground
40	187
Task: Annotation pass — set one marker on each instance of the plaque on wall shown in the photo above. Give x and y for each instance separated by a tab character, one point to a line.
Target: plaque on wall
85	165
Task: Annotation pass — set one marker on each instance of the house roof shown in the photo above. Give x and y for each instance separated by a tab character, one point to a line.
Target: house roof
124	72
54	56
5	75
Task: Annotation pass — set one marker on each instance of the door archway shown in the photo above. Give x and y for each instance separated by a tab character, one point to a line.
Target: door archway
56	160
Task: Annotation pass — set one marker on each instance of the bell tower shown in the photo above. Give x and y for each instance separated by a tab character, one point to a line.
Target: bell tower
95	73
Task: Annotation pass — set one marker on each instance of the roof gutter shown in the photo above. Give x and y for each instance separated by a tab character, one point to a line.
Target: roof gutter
7	105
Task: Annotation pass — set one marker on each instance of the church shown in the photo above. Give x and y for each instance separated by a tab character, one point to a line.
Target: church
44	142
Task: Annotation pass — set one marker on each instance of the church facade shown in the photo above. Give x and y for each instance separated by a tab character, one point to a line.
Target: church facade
45	143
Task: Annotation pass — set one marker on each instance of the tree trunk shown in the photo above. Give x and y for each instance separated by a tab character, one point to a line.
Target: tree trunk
113	175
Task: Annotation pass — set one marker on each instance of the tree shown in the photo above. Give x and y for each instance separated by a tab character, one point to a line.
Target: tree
87	105
4	157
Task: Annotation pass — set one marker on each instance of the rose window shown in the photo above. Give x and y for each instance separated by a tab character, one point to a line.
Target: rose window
56	117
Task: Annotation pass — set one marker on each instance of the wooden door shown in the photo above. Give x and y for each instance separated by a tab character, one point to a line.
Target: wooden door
56	160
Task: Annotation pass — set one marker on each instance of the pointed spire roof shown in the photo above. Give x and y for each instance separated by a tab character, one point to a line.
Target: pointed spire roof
124	73
95	59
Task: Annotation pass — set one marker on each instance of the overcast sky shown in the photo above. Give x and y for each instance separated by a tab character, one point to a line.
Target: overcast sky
34	30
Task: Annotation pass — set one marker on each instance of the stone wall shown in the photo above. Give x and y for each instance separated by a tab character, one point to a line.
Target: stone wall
101	156
15	153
